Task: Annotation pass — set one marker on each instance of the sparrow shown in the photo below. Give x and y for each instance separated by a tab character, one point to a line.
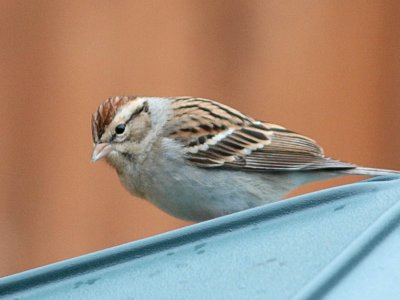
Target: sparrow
198	159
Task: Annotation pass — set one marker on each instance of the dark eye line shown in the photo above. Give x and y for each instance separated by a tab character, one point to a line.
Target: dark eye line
144	107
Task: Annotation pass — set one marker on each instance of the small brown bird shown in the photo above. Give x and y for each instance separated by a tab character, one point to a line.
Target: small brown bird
198	159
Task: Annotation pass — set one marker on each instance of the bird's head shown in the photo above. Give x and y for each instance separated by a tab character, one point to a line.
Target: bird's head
118	127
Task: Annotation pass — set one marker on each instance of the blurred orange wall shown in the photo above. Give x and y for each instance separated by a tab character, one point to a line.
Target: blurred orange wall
328	69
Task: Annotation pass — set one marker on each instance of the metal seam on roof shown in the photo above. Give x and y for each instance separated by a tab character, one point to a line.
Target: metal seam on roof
351	256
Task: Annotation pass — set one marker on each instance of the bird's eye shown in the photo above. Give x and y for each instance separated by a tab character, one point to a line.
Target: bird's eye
120	129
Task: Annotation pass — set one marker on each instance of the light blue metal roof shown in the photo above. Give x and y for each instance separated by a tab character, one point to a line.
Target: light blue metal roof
341	243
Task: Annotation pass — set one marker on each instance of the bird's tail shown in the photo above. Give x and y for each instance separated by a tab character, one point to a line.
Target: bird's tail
369	171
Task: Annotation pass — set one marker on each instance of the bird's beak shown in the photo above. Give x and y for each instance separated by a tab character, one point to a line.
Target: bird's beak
100	150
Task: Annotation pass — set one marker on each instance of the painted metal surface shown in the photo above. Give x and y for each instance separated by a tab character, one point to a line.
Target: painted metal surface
341	243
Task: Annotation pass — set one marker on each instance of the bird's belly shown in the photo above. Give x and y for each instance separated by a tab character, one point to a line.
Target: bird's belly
201	203
197	194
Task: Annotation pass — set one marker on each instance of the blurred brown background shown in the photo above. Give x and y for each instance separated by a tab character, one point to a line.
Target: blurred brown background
328	69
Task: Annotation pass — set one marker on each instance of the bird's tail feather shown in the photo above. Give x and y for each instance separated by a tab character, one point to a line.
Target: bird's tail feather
370	171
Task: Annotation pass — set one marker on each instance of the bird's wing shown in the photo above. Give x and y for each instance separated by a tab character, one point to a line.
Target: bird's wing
270	149
215	135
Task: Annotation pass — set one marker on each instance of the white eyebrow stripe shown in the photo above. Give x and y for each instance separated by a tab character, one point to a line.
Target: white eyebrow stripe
129	109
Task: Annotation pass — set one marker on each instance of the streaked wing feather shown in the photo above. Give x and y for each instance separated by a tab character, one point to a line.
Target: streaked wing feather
284	152
216	136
